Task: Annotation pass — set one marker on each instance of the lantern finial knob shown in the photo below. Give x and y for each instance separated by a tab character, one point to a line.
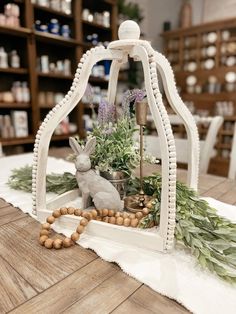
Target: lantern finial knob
129	30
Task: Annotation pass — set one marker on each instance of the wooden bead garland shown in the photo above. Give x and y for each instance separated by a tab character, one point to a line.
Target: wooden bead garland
110	216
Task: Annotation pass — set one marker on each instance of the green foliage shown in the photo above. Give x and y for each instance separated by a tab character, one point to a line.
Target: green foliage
130	10
210	238
21	179
115	149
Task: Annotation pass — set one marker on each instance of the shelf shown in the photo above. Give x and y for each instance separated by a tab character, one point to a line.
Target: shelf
56	76
223	146
17	31
96	25
51	38
52	11
62	136
230	118
17	141
15	105
224	96
95	79
226	132
14	70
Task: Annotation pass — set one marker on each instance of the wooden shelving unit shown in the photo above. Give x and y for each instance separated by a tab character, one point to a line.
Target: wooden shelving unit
188	51
31	44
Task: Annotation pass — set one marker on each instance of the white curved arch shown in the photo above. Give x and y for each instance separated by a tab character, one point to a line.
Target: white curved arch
180	108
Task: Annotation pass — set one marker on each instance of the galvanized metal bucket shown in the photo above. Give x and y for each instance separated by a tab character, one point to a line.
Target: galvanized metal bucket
119	179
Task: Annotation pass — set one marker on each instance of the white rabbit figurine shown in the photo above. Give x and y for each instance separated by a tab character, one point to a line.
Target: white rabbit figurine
102	192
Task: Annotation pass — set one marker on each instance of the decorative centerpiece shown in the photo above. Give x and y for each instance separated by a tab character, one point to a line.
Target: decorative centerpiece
118	51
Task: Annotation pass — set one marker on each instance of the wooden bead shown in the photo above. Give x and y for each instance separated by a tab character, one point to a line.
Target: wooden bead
105	212
44	232
132	216
63	211
42	239
57	244
119	221
56	213
134	222
80	229
139	215
105	219
94	213
48	243
112	220
71	211
99	211
67	242
84	222
99	218
145	211
51	219
125	215
46	225
75	236
78	212
118	214
127	222
111	212
87	215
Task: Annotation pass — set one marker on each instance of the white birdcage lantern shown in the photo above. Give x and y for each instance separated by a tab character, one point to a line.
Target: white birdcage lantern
129	44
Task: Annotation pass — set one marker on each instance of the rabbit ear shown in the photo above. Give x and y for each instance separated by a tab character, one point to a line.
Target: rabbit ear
77	149
90	146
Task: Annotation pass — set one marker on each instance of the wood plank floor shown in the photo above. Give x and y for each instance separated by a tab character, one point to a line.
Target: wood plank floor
76	280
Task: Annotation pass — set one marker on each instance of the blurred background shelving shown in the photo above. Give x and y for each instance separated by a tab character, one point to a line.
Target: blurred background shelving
203	58
34	47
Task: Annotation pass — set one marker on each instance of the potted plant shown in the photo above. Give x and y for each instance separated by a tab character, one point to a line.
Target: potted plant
117	153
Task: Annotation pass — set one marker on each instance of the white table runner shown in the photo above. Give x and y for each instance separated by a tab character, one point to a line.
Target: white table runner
175	274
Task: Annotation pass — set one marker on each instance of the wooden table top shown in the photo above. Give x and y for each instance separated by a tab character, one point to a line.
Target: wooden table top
76	280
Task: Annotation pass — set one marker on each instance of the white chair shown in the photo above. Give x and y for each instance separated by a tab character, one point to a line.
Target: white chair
152	144
232	165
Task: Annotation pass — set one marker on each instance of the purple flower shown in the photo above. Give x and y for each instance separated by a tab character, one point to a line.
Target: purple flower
140	94
128	97
106	112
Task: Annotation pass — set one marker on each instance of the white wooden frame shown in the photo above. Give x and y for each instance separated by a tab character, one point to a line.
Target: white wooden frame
232	165
162	238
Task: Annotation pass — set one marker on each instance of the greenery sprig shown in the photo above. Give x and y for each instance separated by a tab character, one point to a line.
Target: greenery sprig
21	179
210	237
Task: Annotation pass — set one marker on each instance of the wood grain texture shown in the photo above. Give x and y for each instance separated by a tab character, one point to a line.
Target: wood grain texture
3	203
14	290
70	290
9	214
146	301
220	189
8	209
107	296
40	267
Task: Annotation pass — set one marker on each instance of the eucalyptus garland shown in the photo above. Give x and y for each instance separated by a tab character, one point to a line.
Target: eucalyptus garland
211	238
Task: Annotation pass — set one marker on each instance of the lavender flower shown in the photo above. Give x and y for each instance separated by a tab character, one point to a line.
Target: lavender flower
129	96
102	112
106	112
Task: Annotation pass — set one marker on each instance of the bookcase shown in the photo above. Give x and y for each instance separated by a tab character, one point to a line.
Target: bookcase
31	44
203	58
